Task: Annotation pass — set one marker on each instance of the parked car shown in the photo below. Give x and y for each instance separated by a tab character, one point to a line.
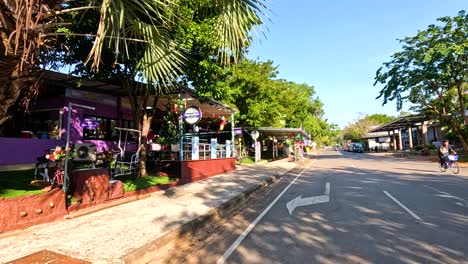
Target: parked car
358	147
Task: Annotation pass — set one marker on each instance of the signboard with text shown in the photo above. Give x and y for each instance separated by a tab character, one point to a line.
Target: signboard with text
192	115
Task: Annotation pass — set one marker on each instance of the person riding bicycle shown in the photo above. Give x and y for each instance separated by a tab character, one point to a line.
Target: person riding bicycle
444	150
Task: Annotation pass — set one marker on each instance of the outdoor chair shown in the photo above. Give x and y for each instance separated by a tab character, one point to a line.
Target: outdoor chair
126	163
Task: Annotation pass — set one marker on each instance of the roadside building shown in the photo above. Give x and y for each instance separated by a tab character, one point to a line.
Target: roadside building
404	133
103	106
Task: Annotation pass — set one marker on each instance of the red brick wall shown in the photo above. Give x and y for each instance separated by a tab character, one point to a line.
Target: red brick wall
25	211
194	170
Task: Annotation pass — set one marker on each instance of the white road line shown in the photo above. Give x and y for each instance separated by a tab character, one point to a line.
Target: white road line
327	188
403	206
434	189
244	234
448	195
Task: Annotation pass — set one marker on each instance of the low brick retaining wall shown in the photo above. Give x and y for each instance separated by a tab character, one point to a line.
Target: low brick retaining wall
29	210
195	170
92	187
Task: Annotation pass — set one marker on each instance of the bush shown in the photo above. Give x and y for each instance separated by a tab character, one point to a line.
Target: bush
424	147
418	147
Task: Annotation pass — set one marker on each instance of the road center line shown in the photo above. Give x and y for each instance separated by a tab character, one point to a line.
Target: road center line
403	206
447	195
244	234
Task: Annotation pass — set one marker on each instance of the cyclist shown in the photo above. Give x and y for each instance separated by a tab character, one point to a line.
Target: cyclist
444	150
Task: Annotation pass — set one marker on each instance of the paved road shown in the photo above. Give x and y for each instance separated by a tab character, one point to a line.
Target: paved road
380	210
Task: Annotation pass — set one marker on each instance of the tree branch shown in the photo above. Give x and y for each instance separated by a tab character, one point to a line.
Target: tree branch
56	13
55	34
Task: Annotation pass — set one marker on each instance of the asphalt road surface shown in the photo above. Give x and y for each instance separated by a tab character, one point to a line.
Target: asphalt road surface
353	208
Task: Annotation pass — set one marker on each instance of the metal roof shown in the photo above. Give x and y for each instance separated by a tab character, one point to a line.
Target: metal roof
280	132
376	134
207	105
401	122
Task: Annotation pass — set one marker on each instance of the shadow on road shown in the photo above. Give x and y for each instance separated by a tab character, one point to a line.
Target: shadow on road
360	225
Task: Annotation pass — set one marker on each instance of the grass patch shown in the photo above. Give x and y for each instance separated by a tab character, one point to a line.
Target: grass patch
133	184
248	160
17	183
251	160
71	200
463	157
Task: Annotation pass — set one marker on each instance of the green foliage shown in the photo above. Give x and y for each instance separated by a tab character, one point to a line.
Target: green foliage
424	147
168	133
264	101
430	72
363	124
132	184
380	119
17	183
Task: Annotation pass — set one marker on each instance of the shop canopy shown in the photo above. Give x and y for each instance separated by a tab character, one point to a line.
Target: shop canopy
401	122
208	106
280	132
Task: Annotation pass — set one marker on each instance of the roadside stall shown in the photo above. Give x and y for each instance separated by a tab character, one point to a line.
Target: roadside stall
194	138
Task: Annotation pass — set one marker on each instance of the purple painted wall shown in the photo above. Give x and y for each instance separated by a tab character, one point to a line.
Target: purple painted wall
24	150
15	151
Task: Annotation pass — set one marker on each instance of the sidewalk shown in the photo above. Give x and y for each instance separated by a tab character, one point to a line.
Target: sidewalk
112	234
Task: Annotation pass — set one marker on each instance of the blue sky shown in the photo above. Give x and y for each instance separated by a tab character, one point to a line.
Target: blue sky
337	46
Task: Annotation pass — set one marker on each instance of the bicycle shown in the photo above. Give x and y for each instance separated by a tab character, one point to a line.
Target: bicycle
450	162
239	158
43	169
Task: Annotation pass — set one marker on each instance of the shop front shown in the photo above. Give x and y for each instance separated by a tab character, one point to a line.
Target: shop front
200	142
198	148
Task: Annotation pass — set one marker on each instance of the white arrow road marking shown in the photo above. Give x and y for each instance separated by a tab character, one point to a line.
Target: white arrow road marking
244	234
299	201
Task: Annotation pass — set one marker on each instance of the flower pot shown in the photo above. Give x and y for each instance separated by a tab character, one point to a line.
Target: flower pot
174	147
155	147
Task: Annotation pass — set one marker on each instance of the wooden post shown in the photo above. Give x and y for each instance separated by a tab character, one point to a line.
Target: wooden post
410	136
424	133
400	140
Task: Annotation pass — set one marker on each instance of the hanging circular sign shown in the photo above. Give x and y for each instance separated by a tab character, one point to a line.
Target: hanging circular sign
192	115
255	134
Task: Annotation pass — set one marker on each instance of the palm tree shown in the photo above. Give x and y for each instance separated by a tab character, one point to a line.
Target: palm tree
31	28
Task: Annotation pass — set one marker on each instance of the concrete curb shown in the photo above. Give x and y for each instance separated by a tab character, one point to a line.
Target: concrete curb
186	231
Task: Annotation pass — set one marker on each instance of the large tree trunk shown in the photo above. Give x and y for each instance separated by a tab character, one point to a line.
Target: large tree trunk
145	126
18	51
460	135
17	87
461	103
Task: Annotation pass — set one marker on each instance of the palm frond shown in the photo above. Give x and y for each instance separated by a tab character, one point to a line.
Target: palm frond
162	60
114	18
236	19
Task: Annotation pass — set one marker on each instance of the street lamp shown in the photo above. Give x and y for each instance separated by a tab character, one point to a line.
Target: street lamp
67	144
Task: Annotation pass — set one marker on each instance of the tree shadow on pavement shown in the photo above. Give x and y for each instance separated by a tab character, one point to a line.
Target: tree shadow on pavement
360	224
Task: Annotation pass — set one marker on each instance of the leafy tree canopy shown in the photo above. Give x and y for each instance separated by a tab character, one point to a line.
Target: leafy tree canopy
363	124
263	100
380	119
431	72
